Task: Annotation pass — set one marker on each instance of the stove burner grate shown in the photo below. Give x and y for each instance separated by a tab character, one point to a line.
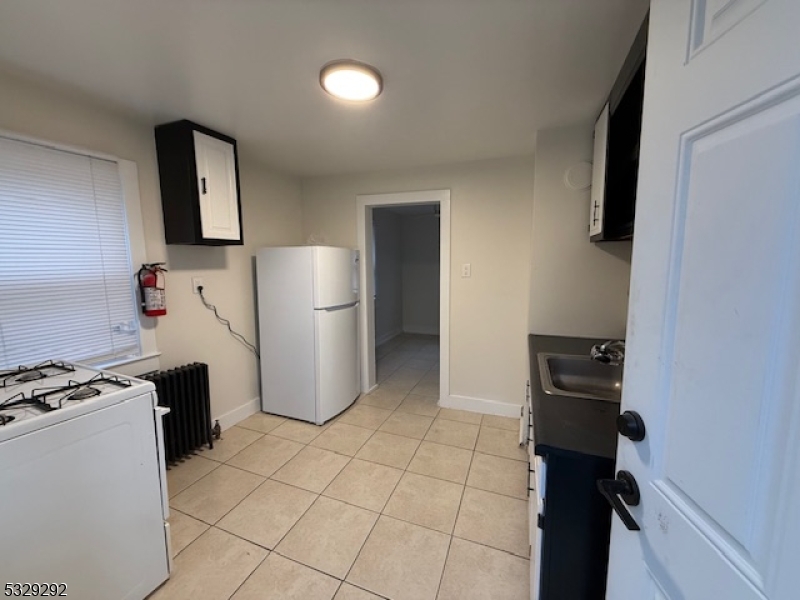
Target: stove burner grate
40	371
22	401
77	390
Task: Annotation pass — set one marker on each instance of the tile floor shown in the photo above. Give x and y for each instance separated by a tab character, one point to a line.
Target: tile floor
395	498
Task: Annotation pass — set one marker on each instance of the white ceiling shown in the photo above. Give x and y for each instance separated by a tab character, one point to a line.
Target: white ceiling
464	79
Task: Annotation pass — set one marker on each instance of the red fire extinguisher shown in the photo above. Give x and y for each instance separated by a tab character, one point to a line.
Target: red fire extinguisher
151	289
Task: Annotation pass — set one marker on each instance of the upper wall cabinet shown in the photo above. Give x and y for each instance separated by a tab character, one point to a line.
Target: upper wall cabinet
616	150
199	175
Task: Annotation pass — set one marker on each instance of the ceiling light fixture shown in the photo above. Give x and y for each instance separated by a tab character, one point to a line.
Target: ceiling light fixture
351	80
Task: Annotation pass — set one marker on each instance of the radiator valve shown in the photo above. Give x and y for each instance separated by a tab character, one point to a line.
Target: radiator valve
217	430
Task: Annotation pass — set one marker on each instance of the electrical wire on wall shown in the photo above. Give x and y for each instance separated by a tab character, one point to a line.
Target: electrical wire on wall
237	336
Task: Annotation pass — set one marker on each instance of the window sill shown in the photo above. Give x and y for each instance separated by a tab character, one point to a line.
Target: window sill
134	365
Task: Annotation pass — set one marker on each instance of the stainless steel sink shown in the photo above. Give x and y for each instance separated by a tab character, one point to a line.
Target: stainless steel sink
580	377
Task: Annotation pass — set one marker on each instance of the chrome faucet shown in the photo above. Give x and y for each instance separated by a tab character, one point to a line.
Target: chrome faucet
611	352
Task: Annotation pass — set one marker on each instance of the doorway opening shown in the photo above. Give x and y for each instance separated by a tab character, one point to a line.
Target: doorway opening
404	240
405	263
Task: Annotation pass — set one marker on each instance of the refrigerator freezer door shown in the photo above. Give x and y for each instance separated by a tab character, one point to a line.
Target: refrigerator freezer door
337	360
333	276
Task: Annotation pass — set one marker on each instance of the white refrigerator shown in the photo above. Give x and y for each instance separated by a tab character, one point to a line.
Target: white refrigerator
308	328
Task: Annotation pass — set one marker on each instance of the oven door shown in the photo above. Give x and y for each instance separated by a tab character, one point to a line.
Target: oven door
85	504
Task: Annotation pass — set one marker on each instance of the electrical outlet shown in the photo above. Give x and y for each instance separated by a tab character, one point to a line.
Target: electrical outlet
196	283
466	270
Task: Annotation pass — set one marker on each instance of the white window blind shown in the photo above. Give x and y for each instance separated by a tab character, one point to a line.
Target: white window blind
66	281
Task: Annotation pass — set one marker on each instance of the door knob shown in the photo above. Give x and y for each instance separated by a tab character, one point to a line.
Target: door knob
631	425
624	487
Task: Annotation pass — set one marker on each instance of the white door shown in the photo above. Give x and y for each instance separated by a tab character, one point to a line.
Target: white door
335	283
337	360
216	180
714	320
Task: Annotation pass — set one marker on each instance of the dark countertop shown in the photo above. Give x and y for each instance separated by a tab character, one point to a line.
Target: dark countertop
567	425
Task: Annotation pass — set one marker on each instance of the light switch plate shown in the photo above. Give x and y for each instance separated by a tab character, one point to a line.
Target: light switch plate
466	270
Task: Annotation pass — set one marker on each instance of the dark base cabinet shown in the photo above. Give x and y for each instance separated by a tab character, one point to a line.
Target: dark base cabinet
574	444
576	528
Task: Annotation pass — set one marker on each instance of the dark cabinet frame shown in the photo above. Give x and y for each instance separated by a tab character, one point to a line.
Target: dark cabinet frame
622	151
180	193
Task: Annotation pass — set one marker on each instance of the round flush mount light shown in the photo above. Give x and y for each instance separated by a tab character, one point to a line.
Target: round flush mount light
351	80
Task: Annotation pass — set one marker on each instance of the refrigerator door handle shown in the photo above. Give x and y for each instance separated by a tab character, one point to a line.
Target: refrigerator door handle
339	307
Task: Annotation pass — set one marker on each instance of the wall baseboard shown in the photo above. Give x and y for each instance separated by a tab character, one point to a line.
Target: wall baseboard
387	337
421	330
482	405
240	413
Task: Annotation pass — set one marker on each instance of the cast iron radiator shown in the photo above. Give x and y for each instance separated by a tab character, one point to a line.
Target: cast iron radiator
188	425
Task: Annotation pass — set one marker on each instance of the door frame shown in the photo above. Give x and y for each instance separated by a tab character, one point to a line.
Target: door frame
364	205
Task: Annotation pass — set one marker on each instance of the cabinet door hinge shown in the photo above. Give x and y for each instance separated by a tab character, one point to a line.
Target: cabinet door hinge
540	521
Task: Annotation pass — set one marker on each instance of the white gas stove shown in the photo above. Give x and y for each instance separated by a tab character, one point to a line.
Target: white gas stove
82	471
53	391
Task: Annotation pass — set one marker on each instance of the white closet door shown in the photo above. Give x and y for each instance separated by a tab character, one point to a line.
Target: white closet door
216	182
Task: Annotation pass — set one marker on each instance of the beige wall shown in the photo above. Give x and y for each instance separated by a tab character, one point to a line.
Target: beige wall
491	205
546	278
272	215
577	287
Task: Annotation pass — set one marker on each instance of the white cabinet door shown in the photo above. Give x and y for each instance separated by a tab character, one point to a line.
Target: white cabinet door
536	503
714	320
216	182
597	203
